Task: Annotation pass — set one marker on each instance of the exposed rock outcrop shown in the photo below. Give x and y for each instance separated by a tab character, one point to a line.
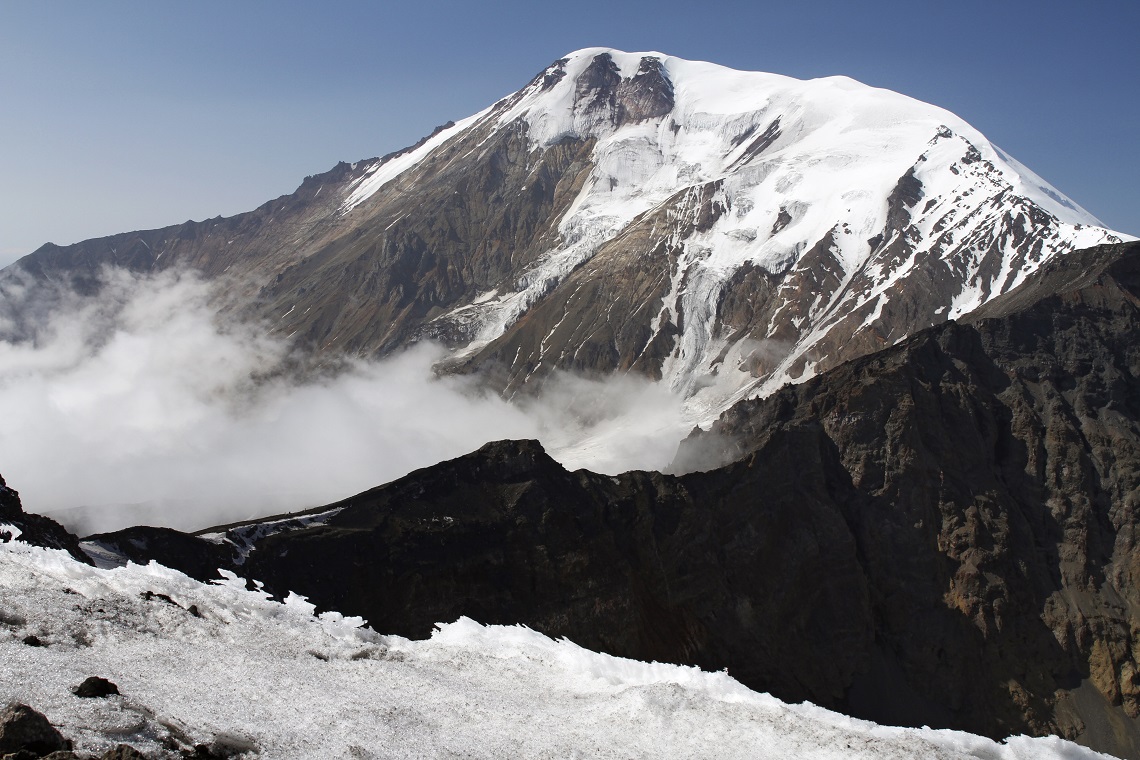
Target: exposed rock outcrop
123	752
139	544
996	472
32	528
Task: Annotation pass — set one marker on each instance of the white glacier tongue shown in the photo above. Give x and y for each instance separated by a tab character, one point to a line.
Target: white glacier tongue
224	666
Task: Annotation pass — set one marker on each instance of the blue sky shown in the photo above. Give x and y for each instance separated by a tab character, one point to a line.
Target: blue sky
126	115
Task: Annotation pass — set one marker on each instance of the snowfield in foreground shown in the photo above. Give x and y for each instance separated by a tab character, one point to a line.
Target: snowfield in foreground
225	665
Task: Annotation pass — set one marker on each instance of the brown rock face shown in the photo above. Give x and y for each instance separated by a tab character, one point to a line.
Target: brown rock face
567	329
997	467
381	287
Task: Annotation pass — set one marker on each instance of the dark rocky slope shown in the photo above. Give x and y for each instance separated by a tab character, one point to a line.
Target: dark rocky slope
33	529
943	533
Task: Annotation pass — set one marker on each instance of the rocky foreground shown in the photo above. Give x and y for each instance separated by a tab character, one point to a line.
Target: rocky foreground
192	670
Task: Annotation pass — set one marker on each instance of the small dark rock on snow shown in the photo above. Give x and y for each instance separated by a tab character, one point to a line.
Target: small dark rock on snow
223	746
95	687
123	752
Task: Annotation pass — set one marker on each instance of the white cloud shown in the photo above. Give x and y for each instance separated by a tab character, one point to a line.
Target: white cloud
139	407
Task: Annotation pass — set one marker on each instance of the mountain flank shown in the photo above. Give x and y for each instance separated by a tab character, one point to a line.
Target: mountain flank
725	232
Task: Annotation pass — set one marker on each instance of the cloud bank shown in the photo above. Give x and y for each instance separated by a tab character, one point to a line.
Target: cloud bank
139	407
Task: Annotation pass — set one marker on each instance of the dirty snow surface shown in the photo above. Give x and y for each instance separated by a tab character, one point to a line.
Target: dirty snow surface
226	666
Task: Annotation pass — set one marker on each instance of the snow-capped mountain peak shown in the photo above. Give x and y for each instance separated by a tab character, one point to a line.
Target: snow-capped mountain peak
723	231
847	196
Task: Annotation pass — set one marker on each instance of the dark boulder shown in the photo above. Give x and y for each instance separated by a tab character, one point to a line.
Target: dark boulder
222	746
95	687
25	729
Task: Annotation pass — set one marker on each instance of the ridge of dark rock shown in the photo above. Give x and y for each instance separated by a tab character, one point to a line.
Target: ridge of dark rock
647	95
190	554
34	529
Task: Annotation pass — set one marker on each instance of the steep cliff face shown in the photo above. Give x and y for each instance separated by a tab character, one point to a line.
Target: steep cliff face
997	475
722	231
